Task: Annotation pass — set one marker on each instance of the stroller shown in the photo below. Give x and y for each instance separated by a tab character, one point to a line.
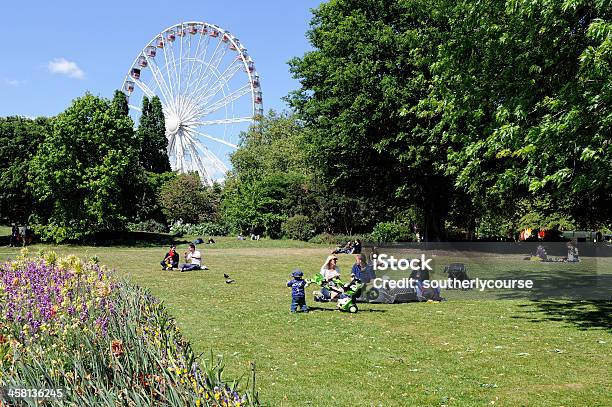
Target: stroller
347	293
457	271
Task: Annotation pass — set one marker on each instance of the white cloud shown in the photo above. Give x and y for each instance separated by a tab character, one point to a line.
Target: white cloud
14	82
65	67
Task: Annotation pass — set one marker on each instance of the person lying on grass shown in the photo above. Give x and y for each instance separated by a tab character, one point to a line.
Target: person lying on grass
193	259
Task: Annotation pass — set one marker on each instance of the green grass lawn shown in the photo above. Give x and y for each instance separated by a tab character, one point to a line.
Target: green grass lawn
456	353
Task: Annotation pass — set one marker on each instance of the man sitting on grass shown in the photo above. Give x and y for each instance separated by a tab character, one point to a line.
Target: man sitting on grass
193	259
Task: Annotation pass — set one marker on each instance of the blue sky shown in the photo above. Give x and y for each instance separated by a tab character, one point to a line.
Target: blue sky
55	51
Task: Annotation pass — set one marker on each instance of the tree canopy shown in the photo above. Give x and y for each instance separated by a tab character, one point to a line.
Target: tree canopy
84	169
472	105
19	140
152	136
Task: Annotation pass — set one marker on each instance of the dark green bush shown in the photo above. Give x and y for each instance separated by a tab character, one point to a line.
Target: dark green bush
385	232
298	227
150	225
340	239
201	229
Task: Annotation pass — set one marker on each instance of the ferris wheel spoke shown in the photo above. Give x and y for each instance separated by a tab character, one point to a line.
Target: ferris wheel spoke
204	68
173	60
198	163
145	89
213	68
172	72
176	80
210	95
193	60
167	66
229	120
180	151
222	80
191	144
204	97
165	89
211	157
208	136
235	95
135	108
181	58
208	70
171	144
200	58
206	109
159	80
215	160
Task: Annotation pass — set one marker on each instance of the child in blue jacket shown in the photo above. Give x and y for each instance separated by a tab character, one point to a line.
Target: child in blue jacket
298	294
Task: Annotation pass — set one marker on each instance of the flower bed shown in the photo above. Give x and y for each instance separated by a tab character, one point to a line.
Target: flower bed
70	324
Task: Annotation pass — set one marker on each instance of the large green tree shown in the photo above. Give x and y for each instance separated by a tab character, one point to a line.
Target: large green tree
520	93
152	135
184	198
367	64
85	169
19	140
271	179
465	109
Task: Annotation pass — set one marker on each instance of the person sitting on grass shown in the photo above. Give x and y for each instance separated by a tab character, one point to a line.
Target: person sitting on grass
329	269
356	247
171	260
15	236
193	259
346	249
298	296
359	268
330	272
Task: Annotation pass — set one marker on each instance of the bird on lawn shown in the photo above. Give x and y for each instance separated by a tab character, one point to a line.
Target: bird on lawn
229	281
225	275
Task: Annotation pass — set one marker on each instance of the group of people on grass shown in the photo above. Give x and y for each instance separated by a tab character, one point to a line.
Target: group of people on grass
193	259
351	247
330	271
20	236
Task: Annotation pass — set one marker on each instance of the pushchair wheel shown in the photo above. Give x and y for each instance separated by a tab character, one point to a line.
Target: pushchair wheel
373	294
353	309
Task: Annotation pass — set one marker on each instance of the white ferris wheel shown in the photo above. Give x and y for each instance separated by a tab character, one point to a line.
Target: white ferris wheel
209	90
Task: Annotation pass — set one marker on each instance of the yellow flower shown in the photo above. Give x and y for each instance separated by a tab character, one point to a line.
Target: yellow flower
102	289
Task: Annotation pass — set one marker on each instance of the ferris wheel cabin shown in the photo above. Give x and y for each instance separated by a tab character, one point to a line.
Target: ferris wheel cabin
135	73
151	51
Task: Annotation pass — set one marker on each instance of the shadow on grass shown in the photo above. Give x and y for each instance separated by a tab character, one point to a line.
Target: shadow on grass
117	239
132	239
585	285
583	314
315	309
